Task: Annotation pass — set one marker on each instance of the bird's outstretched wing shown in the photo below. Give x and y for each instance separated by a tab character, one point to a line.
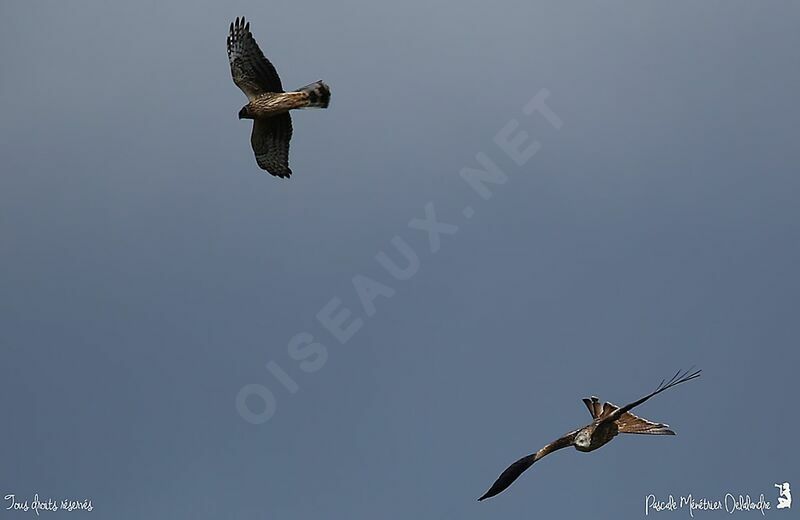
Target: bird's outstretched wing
515	470
678	378
270	142
251	71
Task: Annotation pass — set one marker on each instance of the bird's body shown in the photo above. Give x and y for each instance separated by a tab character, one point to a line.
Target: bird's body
268	105
609	420
273	103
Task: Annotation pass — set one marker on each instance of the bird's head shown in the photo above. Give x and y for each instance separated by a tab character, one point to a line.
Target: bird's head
583	439
244	113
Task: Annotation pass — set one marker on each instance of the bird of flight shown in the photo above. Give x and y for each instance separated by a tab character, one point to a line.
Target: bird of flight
609	420
268	105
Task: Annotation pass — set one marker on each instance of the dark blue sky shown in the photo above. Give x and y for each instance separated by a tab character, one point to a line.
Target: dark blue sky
150	271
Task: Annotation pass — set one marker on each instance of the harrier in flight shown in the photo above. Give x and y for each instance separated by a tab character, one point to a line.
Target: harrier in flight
609	420
268	104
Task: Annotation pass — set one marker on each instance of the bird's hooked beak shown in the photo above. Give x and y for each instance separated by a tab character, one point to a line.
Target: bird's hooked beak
243	113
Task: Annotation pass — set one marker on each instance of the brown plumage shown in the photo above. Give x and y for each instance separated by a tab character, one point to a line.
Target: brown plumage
609	420
628	422
268	105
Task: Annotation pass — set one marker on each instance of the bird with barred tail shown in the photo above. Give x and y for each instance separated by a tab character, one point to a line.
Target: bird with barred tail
268	105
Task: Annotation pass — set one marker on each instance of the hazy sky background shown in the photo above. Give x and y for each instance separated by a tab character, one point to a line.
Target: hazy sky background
149	269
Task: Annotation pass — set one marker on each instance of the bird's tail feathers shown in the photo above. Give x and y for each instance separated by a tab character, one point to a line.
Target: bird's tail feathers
630	423
319	94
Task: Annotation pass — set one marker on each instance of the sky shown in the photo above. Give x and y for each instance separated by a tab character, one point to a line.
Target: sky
185	336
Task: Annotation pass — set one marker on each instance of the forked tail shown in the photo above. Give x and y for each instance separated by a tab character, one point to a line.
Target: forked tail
630	423
319	94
